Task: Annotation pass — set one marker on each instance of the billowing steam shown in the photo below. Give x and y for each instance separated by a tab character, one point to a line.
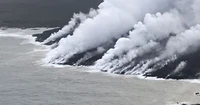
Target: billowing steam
77	18
147	35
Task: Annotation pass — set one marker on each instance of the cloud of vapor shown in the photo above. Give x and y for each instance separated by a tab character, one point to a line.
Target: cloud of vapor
139	8
77	18
190	11
149	30
113	20
109	24
158	30
183	43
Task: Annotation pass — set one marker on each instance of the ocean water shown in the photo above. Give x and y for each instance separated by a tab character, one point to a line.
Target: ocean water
25	80
41	13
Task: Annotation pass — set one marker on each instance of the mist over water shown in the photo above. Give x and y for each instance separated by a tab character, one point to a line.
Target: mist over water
135	37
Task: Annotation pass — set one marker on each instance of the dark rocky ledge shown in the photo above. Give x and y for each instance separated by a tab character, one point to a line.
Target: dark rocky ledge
43	36
190	71
189	104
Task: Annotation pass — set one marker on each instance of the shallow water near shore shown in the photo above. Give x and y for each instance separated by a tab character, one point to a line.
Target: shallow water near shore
25	81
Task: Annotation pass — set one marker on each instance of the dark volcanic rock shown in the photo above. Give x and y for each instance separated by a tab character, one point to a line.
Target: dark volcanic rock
41	37
46	34
94	55
190	71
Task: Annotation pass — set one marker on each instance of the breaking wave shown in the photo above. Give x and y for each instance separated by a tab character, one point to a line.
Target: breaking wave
158	38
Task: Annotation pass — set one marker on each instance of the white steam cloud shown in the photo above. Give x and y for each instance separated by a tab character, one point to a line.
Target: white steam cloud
80	17
166	27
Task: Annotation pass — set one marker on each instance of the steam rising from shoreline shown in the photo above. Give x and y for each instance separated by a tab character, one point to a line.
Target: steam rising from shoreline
148	33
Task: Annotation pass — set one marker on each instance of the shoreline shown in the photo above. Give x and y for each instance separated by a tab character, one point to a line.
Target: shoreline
119	88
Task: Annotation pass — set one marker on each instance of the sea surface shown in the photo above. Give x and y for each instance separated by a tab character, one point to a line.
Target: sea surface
41	13
26	80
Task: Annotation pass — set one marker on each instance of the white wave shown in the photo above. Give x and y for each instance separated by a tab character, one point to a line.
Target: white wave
20	31
25	34
195	81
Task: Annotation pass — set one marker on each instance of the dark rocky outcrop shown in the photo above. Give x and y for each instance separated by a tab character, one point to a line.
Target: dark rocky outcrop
43	36
190	71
